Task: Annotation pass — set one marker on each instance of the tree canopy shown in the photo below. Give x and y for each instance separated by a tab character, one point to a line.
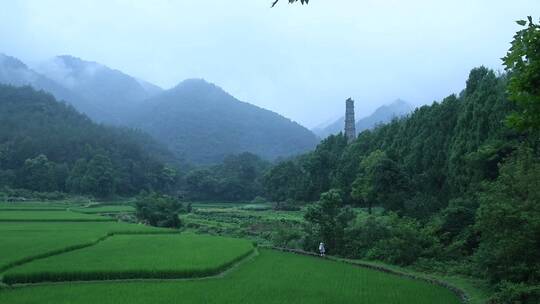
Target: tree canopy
523	64
47	146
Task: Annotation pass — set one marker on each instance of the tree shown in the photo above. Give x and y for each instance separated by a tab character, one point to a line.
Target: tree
362	190
76	175
321	165
328	220
363	186
201	183
167	178
239	177
159	210
33	123
99	177
39	174
523	64
283	181
508	221
291	1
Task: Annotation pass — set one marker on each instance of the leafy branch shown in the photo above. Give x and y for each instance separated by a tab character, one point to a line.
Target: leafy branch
291	1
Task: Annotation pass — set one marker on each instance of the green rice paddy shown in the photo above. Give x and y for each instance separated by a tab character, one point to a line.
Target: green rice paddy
49	215
105	209
61	245
272	277
36	206
136	256
24	240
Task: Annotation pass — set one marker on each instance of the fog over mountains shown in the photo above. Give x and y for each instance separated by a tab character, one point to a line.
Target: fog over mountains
197	120
117	93
15	72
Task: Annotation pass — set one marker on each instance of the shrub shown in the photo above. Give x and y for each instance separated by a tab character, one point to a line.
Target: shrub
390	238
286	238
508	221
516	293
363	234
159	210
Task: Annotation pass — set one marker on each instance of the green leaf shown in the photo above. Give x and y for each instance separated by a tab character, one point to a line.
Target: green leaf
521	22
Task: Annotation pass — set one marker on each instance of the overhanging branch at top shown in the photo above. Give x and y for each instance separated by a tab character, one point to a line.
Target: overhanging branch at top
291	1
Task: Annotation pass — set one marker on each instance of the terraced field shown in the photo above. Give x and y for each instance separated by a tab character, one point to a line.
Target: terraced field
105	209
271	277
70	250
50	216
32	206
21	241
136	256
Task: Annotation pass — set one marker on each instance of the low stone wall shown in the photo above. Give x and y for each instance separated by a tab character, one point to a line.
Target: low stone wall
459	292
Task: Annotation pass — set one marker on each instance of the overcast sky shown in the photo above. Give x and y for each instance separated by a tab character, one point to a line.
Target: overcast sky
300	61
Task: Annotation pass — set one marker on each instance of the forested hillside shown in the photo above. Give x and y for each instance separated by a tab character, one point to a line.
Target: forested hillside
15	72
109	90
47	146
204	124
452	188
237	178
440	151
196	120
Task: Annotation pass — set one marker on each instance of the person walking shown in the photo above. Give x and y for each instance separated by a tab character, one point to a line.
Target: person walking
322	250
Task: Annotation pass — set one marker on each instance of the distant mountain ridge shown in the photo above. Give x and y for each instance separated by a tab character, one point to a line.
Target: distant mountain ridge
210	124
197	120
382	114
15	72
109	89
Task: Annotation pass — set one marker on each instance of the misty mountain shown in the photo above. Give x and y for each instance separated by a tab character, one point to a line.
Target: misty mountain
112	91
46	145
150	88
381	115
197	120
203	123
14	72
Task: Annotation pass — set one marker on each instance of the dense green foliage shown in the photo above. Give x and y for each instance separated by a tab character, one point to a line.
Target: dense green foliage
237	178
47	146
306	177
523	64
509	221
150	256
159	210
328	221
439	152
271	277
458	188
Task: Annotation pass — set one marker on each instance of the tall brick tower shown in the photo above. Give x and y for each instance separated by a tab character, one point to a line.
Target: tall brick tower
350	123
